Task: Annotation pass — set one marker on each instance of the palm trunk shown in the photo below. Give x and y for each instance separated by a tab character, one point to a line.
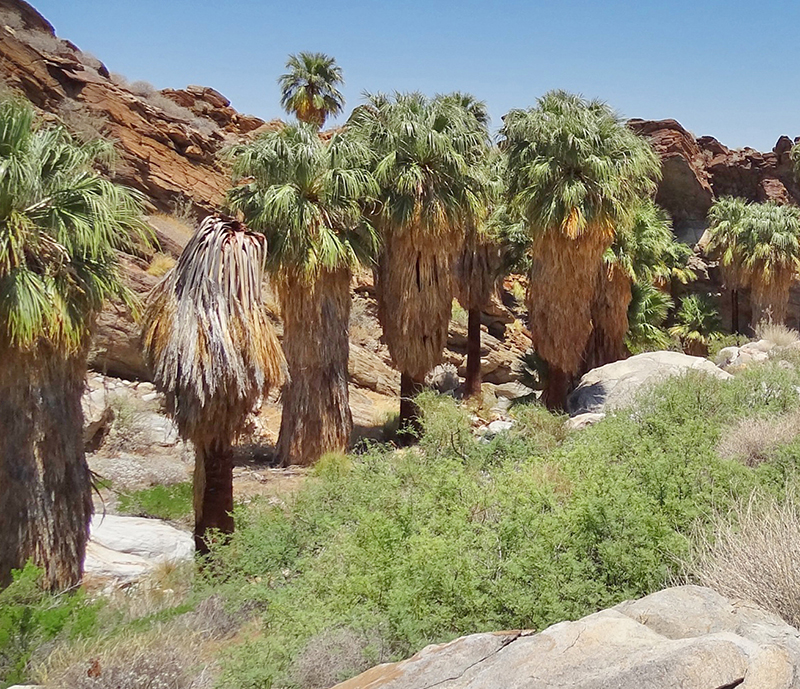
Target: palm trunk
472	383
735	311
213	491
409	426
554	396
45	484
316	408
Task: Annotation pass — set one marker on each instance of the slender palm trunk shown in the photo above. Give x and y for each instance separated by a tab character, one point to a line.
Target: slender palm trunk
735	311
554	396
45	484
409	425
472	383
213	490
316	406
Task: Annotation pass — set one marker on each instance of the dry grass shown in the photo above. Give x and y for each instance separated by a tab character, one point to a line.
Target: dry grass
130	430
161	265
753	441
753	554
83	123
335	655
777	333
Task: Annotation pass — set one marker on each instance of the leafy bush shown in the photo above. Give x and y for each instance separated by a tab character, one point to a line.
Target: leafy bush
456	536
31	617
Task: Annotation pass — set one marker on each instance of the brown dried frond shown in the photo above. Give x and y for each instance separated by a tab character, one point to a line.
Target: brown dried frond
415	284
207	337
560	293
477	270
609	316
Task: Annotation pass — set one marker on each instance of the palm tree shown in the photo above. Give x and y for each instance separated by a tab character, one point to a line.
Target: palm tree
310	88
643	253
758	245
60	224
575	173
647	313
427	156
306	196
213	353
697	320
725	224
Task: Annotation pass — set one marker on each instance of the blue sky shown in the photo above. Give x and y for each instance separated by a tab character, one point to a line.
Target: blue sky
727	68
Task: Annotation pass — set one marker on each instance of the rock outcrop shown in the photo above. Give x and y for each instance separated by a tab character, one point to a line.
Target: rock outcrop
616	385
689	637
696	171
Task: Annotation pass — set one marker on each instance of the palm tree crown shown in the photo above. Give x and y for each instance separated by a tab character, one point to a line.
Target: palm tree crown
310	88
306	195
60	224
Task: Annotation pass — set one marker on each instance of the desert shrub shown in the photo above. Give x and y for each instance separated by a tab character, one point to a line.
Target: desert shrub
718	342
753	553
159	502
82	123
30	617
754	441
130	430
457	536
777	333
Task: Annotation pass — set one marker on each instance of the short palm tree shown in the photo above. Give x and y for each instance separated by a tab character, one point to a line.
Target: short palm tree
427	155
60	226
644	252
575	173
213	353
758	246
310	90
306	195
696	321
647	313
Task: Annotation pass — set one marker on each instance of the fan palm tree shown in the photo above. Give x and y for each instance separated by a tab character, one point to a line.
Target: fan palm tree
427	166
213	353
725	217
647	313
60	224
575	173
310	88
758	246
697	320
643	253
306	196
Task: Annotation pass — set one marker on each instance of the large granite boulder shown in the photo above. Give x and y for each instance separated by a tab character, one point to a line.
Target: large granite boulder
616	385
688	637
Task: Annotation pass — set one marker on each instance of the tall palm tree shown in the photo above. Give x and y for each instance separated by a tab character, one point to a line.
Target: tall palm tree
725	217
60	224
575	173
758	246
427	155
213	353
644	252
306	196
310	88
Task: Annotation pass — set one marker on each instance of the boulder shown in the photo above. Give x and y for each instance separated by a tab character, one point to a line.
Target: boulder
687	637
581	421
151	539
616	385
368	370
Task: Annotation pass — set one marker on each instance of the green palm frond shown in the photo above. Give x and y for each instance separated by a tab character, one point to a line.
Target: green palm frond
572	164
428	156
647	313
697	319
310	88
307	197
60	227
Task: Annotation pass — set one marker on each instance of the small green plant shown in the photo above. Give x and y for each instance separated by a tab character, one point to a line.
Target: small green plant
31	617
696	321
459	315
172	502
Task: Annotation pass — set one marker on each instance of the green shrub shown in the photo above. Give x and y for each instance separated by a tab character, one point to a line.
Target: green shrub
457	536
31	617
171	502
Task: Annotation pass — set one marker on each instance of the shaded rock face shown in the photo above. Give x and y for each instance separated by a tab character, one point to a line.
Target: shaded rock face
689	637
696	171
